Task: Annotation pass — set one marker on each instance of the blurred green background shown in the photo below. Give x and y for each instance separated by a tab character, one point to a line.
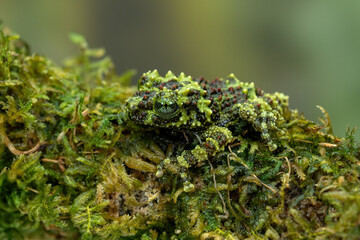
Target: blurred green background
309	50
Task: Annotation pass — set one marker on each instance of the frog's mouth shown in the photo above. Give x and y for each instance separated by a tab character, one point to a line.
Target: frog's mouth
166	107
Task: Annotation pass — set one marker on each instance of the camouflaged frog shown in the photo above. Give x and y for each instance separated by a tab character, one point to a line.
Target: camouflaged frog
209	108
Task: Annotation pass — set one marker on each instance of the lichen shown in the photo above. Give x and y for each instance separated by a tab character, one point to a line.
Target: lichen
73	166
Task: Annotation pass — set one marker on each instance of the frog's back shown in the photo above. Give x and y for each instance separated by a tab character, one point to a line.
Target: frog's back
180	102
224	94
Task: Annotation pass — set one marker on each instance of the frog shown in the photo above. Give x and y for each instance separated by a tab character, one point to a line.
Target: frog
209	108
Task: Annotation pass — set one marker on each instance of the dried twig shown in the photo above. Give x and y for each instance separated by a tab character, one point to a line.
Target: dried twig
15	151
221	197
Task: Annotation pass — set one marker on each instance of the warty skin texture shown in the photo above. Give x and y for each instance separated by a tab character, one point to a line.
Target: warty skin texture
181	103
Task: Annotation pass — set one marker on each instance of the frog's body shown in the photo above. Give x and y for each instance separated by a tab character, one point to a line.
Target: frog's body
182	103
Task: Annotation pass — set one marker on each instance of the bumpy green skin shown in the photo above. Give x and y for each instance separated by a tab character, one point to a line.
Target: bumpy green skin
183	103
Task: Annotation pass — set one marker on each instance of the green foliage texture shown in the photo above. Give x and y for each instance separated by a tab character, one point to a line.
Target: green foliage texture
73	167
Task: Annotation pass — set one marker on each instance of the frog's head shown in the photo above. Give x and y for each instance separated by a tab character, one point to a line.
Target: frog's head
170	101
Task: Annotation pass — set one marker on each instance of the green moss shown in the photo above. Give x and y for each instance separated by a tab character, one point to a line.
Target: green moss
72	166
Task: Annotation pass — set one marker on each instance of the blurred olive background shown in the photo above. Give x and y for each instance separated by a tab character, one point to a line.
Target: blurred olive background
309	50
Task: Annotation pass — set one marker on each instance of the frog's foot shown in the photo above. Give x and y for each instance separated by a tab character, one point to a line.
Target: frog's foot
167	163
266	136
177	166
188	186
215	140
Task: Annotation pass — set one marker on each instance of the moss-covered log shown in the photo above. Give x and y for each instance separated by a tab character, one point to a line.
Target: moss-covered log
73	166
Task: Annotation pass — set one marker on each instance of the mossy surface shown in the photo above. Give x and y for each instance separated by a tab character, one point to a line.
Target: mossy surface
72	166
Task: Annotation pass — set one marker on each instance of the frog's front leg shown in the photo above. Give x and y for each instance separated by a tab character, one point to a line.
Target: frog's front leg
215	139
263	119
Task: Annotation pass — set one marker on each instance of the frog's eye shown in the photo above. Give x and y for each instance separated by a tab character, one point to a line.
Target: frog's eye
166	107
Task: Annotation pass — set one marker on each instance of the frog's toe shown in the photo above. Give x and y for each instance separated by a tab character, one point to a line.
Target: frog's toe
159	173
272	146
188	186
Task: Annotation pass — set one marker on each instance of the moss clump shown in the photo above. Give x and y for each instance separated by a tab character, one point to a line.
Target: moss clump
72	165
